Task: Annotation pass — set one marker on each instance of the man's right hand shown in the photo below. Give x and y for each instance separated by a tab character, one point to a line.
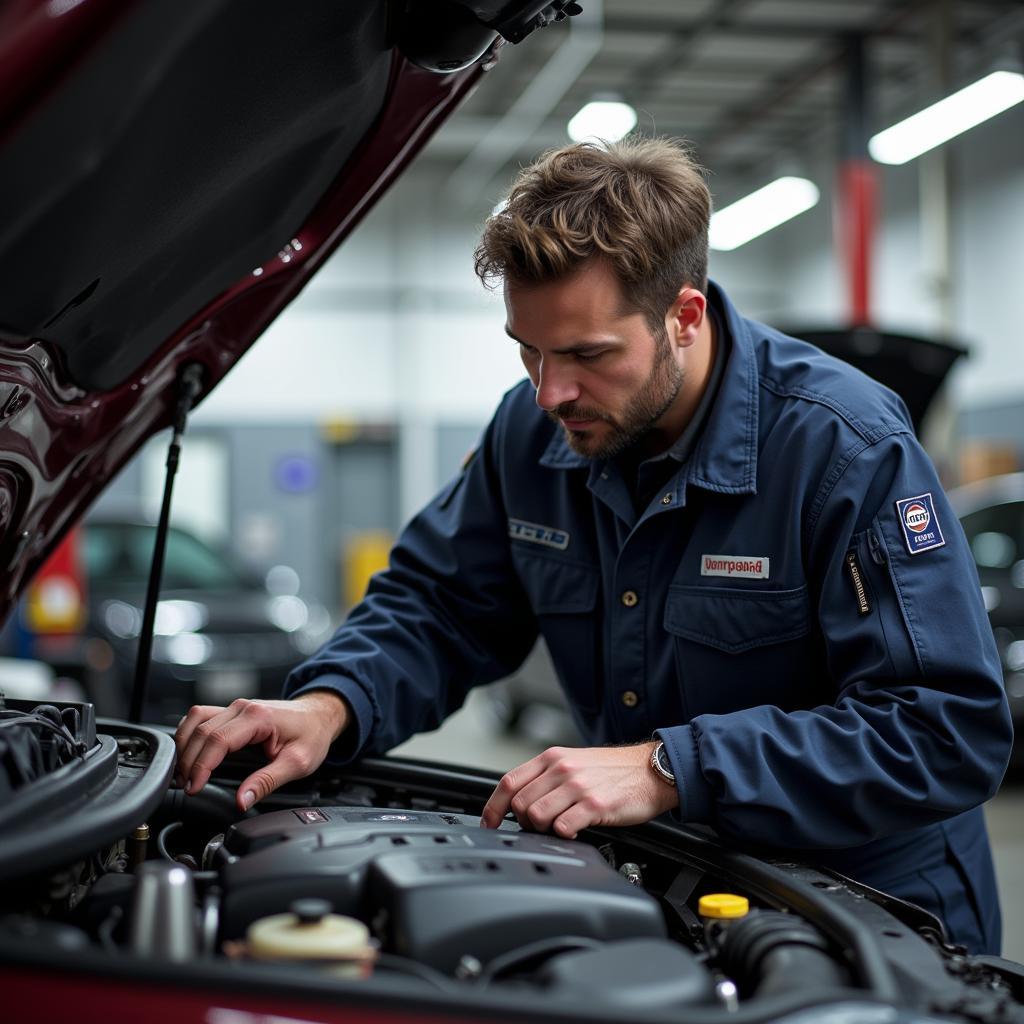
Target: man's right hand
296	735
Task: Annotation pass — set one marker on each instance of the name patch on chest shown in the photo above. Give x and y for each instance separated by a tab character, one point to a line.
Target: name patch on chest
746	567
920	524
549	536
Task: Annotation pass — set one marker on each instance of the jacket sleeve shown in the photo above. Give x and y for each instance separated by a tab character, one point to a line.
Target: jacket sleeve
918	728
446	615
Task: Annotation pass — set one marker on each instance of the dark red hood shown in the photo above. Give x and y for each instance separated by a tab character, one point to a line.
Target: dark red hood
171	175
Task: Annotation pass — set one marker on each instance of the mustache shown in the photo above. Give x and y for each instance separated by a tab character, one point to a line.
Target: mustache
568	411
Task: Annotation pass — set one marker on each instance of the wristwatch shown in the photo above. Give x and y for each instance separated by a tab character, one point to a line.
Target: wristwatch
660	763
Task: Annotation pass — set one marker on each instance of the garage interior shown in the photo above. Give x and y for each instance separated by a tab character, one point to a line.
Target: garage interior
315	474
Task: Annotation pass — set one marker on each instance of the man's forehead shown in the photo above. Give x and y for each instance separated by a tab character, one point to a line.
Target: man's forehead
584	307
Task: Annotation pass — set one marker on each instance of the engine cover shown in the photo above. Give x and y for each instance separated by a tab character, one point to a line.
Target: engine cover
431	885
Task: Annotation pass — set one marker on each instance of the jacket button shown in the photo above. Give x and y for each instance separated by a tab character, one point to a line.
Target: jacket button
629	598
630	699
667	500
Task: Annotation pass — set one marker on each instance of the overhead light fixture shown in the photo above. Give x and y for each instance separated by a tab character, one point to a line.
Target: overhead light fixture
767	208
602	121
948	118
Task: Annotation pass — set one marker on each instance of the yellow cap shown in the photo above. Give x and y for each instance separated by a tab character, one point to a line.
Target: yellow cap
723	905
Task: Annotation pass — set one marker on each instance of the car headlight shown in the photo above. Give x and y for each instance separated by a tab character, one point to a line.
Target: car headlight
287	612
183	648
174	617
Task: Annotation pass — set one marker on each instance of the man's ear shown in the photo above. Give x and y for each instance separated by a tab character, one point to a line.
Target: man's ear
686	316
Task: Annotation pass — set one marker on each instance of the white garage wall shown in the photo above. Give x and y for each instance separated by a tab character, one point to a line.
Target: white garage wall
987	176
989	228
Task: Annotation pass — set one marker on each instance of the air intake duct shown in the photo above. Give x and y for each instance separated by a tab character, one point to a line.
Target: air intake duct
772	954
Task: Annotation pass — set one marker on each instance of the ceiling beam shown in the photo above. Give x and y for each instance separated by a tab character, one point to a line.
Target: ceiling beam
789	83
632	25
680	48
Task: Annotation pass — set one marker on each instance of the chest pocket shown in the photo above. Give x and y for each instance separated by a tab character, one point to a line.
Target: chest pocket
563	595
738	648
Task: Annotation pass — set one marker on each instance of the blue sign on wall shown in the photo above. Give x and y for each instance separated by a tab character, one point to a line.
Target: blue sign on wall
296	474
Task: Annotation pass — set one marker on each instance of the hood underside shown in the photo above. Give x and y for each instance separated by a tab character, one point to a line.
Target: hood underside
170	177
194	141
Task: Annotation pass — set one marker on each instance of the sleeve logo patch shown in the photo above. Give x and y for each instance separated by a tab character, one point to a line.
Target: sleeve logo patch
534	533
745	567
920	524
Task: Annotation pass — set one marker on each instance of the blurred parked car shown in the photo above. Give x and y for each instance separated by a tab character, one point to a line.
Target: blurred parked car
221	631
992	514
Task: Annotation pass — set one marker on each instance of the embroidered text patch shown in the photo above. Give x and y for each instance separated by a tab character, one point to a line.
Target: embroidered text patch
549	536
749	567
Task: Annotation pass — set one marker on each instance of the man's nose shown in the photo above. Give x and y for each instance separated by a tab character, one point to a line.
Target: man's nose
555	386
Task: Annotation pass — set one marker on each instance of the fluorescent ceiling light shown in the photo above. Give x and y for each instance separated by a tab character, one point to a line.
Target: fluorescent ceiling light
602	121
942	121
767	208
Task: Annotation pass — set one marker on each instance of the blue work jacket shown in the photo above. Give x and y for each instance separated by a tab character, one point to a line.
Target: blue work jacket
796	614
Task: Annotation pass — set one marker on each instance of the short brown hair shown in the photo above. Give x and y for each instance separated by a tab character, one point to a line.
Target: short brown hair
642	204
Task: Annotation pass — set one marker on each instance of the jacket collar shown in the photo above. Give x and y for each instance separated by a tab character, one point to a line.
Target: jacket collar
725	457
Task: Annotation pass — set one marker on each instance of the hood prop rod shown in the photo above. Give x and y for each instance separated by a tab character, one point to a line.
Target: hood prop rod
189	385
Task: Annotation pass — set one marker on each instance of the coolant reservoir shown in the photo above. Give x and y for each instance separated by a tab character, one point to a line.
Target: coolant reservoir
717	910
311	933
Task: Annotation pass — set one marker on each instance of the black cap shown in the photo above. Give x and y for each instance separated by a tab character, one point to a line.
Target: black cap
310	911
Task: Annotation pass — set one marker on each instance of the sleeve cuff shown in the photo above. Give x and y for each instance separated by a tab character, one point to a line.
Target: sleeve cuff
350	743
696	800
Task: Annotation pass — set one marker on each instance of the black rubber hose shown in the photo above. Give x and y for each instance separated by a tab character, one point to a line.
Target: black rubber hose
211	804
528	956
769	953
161	840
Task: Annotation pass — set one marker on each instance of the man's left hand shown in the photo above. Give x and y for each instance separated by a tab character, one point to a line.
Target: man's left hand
566	789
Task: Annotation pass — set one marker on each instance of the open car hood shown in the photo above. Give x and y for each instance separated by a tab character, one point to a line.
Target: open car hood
913	366
170	177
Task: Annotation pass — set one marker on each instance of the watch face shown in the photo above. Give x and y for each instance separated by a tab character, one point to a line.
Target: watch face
664	762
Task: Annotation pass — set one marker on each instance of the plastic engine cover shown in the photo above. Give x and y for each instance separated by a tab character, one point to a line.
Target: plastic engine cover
432	885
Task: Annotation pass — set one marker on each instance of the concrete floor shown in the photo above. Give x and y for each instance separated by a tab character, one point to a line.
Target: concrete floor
469	737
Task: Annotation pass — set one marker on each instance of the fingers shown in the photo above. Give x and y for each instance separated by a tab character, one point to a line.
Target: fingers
571	822
288	766
296	736
194	717
217	734
511	782
537	805
566	790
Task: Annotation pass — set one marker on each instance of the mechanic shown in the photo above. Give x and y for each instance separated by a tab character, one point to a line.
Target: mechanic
758	600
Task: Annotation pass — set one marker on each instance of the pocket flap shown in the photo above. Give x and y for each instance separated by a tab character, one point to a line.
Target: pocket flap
556	585
736	620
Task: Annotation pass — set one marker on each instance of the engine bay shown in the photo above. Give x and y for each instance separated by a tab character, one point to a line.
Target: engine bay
377	880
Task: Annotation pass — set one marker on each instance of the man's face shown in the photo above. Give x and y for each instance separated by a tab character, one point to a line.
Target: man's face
599	372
